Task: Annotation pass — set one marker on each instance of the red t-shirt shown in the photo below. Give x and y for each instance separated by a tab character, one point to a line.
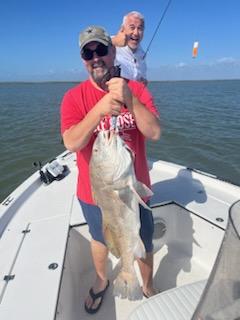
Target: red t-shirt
77	102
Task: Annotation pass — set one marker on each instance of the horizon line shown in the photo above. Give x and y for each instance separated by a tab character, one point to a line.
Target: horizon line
78	81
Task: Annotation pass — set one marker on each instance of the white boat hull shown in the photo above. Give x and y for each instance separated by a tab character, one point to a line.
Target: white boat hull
46	267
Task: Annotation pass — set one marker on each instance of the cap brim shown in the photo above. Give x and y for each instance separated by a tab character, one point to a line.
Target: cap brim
106	43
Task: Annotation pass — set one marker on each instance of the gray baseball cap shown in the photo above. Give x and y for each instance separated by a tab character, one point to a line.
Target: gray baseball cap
94	33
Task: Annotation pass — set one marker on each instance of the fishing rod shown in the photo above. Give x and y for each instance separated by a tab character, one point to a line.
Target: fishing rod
156	30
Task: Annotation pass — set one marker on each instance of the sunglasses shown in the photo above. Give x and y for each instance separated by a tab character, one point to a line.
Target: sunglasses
101	51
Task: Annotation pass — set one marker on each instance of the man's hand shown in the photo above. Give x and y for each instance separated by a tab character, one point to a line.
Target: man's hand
108	105
119	90
120	39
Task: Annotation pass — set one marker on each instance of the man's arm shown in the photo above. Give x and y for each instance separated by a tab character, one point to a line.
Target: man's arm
77	137
147	122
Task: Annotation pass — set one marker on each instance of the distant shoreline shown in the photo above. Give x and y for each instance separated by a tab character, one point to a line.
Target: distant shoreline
78	81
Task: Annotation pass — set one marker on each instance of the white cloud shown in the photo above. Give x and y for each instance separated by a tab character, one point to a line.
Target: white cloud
228	60
51	71
181	65
73	70
224	68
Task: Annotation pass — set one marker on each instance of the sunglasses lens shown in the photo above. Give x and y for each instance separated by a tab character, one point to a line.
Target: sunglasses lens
101	51
87	54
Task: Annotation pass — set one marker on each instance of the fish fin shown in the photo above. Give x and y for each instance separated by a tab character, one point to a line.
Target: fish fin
139	250
141	187
127	286
110	240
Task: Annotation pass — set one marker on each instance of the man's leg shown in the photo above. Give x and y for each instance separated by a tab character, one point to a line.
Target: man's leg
93	217
146	264
146	269
99	255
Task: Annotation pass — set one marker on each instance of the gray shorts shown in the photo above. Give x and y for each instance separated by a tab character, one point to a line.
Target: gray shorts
93	217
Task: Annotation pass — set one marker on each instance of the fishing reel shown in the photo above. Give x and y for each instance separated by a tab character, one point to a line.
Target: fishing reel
52	171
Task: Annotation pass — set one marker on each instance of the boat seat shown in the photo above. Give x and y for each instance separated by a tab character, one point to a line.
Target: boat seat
173	304
36	271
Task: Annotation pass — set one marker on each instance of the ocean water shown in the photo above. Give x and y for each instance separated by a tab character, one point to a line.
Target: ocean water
199	119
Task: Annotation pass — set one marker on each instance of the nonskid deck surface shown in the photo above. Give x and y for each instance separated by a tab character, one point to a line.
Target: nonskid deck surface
172	268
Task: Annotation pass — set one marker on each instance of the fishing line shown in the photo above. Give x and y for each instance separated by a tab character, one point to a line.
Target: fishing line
156	30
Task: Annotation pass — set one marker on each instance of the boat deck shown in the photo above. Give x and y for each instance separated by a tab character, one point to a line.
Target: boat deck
192	207
176	263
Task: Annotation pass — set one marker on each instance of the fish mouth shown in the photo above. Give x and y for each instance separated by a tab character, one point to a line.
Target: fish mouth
108	136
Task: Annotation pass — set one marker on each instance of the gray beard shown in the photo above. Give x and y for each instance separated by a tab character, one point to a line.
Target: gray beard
99	79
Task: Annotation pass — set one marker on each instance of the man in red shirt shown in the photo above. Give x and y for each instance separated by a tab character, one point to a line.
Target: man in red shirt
86	109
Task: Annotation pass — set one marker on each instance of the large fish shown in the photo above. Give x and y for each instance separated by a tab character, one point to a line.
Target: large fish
118	193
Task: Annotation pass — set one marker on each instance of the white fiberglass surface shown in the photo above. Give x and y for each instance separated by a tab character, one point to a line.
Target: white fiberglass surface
181	256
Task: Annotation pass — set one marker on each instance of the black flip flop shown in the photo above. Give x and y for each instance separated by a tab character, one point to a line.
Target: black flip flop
147	296
94	297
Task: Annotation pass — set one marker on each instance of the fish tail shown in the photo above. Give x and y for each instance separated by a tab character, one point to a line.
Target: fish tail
126	286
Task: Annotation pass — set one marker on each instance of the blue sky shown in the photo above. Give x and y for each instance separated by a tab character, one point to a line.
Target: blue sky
39	39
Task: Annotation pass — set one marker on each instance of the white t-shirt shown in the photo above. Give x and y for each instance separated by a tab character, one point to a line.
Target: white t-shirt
132	64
